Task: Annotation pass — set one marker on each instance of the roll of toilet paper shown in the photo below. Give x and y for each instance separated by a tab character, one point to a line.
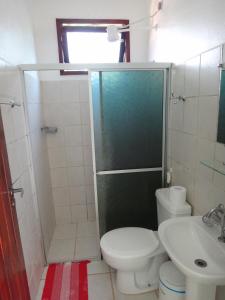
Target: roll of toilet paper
177	195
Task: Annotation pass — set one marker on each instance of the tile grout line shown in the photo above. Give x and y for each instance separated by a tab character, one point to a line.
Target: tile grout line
75	240
75	247
113	294
101	273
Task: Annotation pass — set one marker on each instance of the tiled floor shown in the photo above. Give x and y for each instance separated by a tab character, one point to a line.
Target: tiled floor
101	285
74	242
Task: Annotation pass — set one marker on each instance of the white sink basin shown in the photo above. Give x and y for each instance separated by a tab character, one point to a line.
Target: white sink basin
187	239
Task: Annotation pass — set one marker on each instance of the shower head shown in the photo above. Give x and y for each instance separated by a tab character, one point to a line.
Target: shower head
114	31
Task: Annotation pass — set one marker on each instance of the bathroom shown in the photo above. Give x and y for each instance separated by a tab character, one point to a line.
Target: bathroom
56	213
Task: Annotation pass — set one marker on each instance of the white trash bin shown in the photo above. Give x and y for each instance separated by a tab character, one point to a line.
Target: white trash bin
171	282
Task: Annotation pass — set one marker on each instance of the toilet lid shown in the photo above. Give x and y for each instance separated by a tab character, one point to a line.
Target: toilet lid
129	242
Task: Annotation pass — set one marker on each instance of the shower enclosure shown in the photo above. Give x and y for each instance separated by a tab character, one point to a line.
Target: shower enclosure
128	141
128	122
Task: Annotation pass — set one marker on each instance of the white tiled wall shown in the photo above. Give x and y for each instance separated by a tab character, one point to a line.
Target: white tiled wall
39	149
66	106
193	130
19	153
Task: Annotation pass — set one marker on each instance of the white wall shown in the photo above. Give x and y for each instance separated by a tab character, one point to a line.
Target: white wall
17	47
187	32
66	106
186	28
18	147
39	150
193	133
44	13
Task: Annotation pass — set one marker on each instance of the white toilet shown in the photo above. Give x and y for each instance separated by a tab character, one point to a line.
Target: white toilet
136	253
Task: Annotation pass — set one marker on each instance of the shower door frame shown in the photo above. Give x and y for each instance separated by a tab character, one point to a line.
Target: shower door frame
166	92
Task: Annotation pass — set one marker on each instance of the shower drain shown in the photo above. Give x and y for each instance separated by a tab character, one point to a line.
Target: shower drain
201	263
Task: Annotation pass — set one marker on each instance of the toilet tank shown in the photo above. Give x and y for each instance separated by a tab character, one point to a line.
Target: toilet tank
166	210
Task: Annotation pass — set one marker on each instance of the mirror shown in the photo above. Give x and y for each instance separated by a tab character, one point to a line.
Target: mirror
221	120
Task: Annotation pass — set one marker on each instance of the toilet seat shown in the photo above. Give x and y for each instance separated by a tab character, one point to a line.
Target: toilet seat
129	242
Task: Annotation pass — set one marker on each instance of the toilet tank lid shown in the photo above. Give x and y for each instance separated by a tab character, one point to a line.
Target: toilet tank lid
163	197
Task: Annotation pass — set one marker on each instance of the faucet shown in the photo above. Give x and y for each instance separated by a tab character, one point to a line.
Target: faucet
216	216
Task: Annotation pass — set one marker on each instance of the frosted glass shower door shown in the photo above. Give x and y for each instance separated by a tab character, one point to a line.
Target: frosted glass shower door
128	139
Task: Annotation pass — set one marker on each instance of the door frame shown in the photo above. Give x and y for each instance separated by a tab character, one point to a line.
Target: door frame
17	282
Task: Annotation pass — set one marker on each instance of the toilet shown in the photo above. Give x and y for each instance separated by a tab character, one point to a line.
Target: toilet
137	253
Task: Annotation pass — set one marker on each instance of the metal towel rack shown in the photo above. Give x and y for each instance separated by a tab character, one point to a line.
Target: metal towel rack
5	100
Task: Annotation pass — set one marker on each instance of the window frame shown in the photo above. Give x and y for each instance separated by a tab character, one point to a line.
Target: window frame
62	38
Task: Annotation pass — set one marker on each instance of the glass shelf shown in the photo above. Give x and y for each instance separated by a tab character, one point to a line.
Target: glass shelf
214	165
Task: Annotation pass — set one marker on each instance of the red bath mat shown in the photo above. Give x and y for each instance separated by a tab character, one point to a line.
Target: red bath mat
66	281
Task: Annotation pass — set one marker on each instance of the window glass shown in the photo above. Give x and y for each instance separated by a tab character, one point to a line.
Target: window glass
84	41
92	47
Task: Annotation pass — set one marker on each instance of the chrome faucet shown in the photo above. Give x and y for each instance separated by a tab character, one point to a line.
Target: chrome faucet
216	216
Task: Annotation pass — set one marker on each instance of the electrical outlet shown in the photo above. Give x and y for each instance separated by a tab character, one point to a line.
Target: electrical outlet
160	4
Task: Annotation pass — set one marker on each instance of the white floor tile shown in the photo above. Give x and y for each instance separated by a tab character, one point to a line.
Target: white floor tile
61	250
120	296
85	229
98	267
65	231
40	290
99	287
87	247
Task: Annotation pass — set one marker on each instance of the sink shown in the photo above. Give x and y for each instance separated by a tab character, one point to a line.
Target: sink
195	250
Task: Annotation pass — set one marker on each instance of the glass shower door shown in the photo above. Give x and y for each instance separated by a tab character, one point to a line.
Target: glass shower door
128	140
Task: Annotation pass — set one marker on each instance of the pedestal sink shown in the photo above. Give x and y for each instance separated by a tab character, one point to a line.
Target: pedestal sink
195	250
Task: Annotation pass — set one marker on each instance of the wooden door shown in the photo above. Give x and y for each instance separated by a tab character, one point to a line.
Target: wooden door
13	278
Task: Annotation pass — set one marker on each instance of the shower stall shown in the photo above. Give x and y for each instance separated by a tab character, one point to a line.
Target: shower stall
129	144
99	170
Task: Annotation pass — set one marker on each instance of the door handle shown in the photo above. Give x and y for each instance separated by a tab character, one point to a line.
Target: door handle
17	190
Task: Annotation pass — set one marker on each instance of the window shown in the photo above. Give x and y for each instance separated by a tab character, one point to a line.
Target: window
85	41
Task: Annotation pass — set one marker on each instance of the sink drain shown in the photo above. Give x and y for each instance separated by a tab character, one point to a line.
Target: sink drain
201	263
